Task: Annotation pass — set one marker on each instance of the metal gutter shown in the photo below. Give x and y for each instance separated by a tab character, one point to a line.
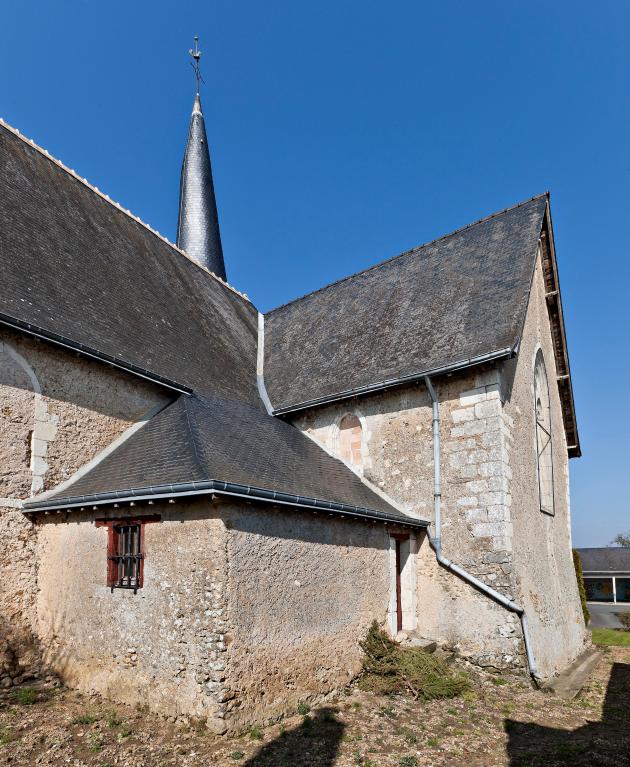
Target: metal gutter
507	352
436	540
218	487
88	351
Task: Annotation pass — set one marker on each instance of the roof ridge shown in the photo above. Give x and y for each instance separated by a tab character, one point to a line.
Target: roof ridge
410	251
118	206
200	456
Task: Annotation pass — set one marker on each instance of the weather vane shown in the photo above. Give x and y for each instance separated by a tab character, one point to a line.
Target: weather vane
196	54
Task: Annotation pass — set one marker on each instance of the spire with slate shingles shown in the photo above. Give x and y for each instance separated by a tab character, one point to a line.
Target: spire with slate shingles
198	224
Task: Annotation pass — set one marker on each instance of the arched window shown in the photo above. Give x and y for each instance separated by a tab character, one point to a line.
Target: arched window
350	439
544	445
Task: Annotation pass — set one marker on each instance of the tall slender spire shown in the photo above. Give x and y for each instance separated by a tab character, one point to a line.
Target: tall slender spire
198	224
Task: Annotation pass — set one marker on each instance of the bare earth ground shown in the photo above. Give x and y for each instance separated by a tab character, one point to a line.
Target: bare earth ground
501	723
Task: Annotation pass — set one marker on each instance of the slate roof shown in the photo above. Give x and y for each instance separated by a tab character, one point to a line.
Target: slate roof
78	270
76	266
439	306
213	444
613	559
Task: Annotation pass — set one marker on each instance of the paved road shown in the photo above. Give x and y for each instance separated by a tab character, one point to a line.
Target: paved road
603	615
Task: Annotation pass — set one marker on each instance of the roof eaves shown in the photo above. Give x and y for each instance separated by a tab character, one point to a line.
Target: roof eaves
218	487
556	319
59	340
507	352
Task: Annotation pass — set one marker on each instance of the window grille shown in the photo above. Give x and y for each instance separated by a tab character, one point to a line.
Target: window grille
125	556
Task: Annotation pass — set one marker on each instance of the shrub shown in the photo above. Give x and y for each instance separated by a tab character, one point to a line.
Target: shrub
303	708
577	563
389	669
625	620
255	733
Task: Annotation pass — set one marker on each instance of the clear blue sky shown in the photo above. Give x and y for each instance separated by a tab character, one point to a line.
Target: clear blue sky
345	131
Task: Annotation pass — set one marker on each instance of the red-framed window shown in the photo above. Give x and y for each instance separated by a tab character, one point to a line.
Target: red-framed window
125	551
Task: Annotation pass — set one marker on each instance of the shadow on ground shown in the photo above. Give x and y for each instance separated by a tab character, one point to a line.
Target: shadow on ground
314	743
604	743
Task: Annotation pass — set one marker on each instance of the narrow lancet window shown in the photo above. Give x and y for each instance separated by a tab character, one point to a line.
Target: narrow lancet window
544	444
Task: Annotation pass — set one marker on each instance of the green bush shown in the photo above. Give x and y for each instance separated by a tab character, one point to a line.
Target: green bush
389	668
625	620
577	563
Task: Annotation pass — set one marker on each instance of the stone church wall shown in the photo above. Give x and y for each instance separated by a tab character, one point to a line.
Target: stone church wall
302	590
476	503
543	566
163	646
491	523
57	411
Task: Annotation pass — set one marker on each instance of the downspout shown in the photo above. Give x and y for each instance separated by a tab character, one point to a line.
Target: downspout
436	540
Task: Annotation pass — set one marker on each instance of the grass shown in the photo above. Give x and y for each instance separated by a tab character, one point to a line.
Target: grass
84	719
255	733
113	720
25	695
303	708
611	637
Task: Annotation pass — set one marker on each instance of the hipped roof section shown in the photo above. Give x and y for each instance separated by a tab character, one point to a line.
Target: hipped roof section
83	273
452	303
225	447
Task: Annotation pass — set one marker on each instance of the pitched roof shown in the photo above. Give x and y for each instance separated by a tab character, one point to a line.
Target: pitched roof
80	271
440	306
226	447
609	559
77	267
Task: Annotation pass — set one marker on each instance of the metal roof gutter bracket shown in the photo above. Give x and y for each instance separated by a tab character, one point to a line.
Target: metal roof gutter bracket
436	540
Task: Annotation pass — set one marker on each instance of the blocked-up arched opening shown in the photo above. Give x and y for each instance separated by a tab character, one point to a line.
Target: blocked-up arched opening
350	439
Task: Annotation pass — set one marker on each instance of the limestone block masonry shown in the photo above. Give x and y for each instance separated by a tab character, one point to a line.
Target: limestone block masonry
476	508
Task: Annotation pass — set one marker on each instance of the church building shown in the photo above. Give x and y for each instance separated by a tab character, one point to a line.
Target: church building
203	508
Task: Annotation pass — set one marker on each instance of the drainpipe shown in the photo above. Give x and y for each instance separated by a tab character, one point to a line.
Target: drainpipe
436	540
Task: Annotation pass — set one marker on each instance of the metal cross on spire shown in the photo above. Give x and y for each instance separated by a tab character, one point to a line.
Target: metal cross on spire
196	54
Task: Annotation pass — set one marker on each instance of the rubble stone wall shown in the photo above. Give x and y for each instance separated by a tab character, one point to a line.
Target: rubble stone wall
302	590
57	412
545	581
163	646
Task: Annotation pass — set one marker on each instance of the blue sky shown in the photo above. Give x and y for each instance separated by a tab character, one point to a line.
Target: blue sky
346	131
